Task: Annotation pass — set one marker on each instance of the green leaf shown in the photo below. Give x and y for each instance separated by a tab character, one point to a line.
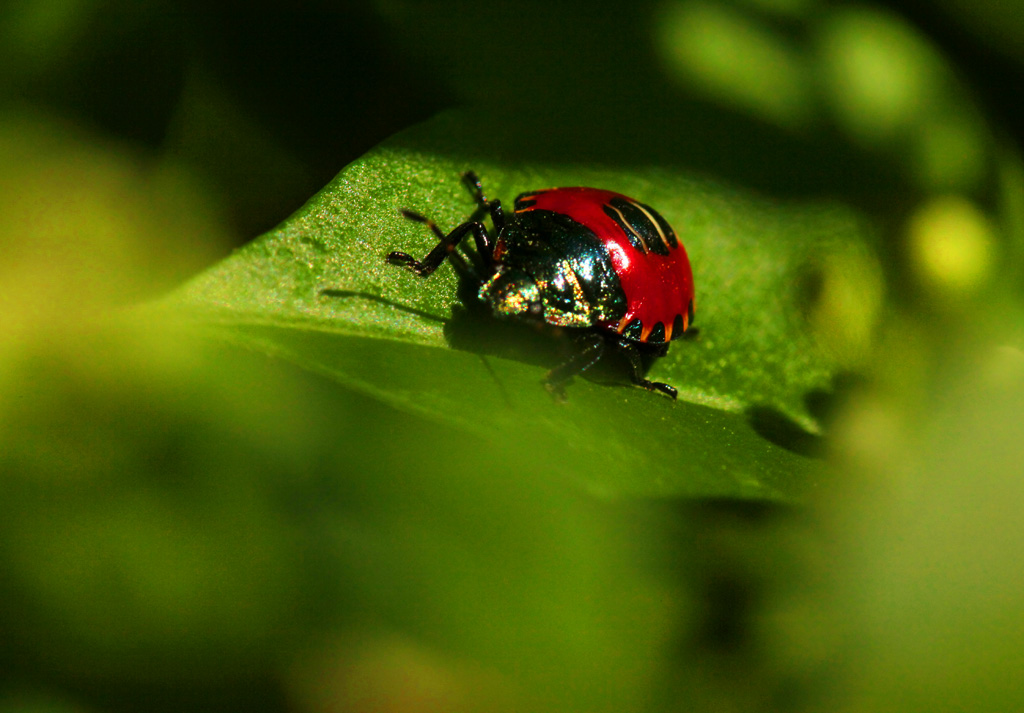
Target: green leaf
317	291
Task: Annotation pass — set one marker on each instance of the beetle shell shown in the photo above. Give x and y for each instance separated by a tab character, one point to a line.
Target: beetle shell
612	262
595	260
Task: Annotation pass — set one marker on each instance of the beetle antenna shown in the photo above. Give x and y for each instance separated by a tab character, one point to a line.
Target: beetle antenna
420	218
476	187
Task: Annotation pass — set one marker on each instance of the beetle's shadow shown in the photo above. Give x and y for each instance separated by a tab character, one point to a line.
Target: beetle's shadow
370	297
823	404
473	328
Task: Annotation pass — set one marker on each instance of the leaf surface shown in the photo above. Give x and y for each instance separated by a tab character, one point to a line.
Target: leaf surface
318	292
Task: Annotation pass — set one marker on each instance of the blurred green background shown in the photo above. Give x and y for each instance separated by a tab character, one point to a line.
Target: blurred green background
194	519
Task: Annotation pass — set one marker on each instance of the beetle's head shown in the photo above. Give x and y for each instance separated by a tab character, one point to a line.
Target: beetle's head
512	293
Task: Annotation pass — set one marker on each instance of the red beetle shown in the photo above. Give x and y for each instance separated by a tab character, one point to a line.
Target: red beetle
602	265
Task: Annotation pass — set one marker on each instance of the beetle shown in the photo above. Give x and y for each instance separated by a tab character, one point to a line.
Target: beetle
599	265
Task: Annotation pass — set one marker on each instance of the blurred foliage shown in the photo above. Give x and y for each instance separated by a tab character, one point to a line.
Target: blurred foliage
307	481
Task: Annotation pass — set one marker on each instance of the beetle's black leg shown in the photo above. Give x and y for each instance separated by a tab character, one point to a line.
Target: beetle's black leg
636	367
493	208
498	220
484	242
445	248
590	348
